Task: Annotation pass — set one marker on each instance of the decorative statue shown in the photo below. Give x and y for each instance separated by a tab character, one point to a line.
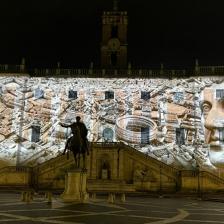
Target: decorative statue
78	142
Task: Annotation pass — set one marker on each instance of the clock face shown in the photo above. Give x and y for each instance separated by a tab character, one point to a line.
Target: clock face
114	44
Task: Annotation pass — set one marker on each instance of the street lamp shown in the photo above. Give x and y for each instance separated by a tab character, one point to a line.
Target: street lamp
160	181
199	187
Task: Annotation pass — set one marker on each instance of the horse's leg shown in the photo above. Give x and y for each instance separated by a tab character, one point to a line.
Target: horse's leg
78	160
74	154
84	160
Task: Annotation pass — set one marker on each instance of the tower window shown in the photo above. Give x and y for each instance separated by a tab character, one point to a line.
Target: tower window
35	134
109	95
145	95
114	31
72	94
219	93
113	59
180	136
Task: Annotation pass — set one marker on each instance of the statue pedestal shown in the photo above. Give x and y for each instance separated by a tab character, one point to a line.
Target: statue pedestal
75	187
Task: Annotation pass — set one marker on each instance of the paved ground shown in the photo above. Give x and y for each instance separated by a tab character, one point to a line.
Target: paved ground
136	210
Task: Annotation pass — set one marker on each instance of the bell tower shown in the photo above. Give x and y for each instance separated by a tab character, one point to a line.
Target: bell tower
114	38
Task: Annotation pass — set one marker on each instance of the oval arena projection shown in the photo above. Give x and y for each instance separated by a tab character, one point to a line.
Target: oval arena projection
136	129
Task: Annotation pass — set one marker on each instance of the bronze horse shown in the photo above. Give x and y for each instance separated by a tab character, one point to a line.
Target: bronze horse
78	146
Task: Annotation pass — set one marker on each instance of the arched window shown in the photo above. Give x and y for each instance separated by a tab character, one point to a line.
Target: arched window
108	134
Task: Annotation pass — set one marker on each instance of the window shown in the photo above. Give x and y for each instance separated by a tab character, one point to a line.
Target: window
109	95
113	58
145	95
180	136
35	134
114	31
219	93
145	135
108	135
72	94
1	90
39	93
178	96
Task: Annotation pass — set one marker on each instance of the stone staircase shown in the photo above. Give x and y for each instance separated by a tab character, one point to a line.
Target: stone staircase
50	174
159	166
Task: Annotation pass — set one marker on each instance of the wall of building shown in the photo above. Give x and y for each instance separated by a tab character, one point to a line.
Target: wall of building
177	121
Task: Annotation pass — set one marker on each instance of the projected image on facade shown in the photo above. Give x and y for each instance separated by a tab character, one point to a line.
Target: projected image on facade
179	121
213	110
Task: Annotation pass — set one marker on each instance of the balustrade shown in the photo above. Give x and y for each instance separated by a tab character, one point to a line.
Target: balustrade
130	72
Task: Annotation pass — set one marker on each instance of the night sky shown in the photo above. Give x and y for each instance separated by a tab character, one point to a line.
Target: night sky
167	31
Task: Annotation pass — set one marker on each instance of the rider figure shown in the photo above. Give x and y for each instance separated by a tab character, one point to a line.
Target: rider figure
83	133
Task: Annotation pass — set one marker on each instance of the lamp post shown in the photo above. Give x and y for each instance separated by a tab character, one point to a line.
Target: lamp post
198	177
21	122
160	181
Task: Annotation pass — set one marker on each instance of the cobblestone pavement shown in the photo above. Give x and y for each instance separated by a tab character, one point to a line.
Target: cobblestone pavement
136	210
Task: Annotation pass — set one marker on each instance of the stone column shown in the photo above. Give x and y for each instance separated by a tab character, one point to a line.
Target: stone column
93	171
88	164
75	187
121	165
114	171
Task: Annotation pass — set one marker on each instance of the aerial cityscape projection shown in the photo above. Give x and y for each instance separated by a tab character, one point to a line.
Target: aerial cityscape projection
176	121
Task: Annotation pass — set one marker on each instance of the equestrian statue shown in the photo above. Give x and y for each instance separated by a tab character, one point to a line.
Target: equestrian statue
78	142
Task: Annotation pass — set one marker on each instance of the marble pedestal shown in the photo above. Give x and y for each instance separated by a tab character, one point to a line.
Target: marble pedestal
75	187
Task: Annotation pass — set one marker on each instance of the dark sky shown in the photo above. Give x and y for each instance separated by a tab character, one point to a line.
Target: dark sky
168	31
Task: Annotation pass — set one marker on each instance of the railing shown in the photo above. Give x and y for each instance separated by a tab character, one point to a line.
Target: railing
107	144
99	73
211	70
213	177
16	169
202	173
161	165
12	68
144	73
